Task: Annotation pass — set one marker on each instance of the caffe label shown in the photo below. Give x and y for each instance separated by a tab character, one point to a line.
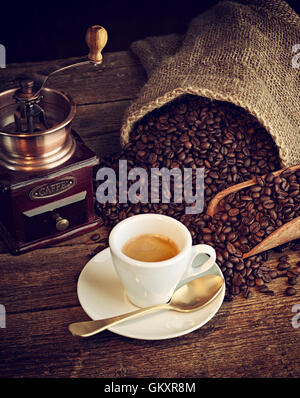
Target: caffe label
53	188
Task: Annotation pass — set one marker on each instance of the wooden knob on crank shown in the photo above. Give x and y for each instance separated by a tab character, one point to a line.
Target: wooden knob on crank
96	39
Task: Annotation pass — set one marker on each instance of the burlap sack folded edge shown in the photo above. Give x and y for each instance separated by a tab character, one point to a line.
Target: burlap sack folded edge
138	110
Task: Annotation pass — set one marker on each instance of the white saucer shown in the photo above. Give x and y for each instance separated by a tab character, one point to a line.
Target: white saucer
102	295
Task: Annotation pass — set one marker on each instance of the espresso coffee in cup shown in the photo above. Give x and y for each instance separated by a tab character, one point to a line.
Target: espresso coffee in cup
150	248
166	257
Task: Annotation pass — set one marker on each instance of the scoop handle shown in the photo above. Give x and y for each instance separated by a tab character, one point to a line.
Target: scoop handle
96	39
89	328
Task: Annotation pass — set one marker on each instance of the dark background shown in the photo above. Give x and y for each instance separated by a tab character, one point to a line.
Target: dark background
39	30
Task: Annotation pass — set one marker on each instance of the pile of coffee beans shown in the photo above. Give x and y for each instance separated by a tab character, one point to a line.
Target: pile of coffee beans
232	147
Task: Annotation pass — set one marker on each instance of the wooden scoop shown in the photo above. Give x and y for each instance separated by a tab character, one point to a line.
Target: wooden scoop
286	233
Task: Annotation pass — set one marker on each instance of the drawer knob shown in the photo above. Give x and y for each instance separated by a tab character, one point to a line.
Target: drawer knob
61	224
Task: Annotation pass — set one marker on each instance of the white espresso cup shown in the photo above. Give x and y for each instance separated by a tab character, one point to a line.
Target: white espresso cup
150	283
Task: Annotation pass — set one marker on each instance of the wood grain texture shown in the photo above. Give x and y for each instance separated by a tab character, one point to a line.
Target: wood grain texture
247	338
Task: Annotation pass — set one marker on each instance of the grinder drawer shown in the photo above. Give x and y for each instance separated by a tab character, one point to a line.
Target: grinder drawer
52	219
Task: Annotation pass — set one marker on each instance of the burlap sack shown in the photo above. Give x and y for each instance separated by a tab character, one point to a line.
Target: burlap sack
237	51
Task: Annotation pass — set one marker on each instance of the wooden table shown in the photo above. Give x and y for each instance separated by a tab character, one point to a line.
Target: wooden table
247	338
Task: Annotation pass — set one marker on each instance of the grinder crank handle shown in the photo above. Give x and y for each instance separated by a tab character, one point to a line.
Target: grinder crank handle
96	39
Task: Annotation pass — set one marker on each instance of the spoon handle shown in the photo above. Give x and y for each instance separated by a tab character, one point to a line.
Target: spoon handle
89	328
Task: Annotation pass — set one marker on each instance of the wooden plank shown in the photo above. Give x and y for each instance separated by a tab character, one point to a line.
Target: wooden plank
245	339
45	278
104	144
99	125
98	119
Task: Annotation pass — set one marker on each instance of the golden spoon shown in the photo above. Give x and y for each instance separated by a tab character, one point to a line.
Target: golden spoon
189	297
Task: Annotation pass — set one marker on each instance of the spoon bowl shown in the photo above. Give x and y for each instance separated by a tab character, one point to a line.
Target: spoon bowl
189	297
196	293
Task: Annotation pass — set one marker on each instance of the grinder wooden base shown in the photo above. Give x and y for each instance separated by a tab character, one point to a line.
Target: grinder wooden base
42	208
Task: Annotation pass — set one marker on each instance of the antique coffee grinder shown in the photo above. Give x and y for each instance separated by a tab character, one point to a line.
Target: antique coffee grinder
46	186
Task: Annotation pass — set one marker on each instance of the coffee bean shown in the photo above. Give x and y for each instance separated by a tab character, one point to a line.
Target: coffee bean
290	291
205	145
268	204
266	277
152	158
259	282
262	288
233	212
232	236
270	177
250	282
231	249
235	290
95	237
254	227
237	279
255	188
234	260
283	266
240	266
238	253
269	292
247	293
292	280
273	274
293	272
184	138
